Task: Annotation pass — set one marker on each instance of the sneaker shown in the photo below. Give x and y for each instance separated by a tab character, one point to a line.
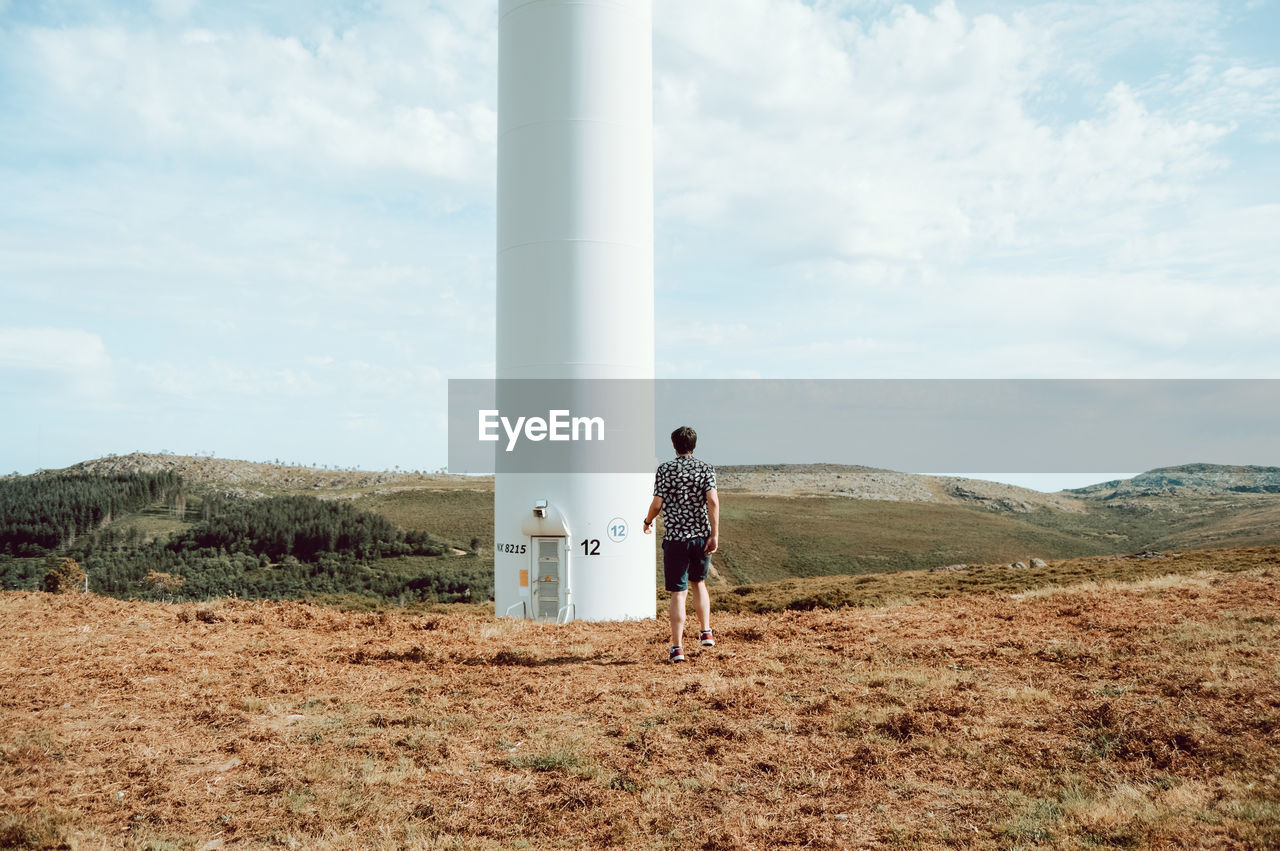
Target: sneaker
675	654
707	639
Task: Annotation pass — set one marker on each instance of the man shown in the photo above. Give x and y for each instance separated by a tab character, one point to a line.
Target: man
684	491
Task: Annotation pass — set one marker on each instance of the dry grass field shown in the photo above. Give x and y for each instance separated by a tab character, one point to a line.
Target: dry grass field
1138	713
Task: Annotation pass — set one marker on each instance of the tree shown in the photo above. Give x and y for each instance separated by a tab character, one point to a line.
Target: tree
65	577
165	583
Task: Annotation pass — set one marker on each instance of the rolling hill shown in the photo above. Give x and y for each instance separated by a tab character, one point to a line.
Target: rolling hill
789	522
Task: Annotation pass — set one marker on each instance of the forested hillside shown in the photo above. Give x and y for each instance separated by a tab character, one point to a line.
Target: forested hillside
39	514
278	548
303	527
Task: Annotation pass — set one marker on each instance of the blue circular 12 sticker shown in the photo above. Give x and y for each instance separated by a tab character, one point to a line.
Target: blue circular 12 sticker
617	530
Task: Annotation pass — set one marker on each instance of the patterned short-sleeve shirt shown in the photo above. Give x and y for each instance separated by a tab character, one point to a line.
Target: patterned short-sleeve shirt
683	483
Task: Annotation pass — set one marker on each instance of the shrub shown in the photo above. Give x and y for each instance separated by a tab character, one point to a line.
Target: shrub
164	582
66	577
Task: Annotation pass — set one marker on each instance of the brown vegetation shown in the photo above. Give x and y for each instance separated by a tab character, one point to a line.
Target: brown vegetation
878	589
65	576
1132	714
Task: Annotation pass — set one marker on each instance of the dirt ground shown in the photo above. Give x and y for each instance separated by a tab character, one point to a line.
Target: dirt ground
1139	715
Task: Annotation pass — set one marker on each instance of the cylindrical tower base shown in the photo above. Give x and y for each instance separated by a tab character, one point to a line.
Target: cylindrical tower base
575	290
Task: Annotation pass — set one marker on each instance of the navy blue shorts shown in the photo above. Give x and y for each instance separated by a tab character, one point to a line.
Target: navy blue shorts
684	562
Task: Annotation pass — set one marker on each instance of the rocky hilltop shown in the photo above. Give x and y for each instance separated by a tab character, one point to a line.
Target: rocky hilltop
249	478
872	483
1188	480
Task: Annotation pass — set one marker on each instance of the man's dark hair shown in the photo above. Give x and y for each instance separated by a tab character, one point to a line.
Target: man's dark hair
684	439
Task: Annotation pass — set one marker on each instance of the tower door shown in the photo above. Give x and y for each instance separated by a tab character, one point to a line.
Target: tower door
548	577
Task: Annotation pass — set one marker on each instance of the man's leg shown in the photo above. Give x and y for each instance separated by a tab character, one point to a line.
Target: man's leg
677	617
702	600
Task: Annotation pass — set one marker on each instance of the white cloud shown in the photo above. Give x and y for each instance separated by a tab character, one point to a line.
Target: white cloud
909	139
58	358
233	379
1221	89
321	377
938	192
52	349
405	92
172	10
360	422
1119	27
169	379
682	332
223	379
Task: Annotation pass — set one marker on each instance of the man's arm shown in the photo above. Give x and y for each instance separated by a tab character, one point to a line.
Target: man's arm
654	508
713	515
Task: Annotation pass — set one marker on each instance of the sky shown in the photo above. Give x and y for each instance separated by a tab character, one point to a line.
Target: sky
266	230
